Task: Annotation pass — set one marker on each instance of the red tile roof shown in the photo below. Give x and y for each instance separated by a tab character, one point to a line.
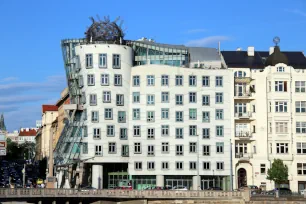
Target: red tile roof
49	108
27	132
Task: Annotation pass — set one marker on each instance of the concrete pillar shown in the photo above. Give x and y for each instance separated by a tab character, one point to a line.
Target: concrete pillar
160	180
59	176
195	183
97	176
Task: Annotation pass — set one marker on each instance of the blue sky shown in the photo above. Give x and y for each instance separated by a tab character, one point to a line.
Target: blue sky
31	66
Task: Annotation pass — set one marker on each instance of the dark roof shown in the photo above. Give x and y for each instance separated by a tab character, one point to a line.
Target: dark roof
240	59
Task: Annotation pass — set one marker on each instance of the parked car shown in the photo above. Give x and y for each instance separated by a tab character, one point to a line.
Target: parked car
180	188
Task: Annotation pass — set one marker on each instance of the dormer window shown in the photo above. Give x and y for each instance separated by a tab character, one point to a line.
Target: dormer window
280	69
240	74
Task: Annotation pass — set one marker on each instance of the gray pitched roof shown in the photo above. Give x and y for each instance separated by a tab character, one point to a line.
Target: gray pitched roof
203	54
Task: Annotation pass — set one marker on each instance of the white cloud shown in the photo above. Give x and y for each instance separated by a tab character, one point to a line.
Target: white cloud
8	79
21	99
211	40
192	31
296	11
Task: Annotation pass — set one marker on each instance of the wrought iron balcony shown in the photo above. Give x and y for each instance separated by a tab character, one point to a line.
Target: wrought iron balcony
243	115
244	156
243	134
244	94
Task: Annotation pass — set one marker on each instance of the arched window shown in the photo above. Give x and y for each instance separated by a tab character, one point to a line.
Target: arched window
239	74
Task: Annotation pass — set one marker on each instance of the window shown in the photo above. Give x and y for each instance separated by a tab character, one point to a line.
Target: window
150	150
178	80
220	147
300	86
165	147
205	100
179	133
270	127
281	127
206	165
81	81
116	61
206	133
192	97
220	166
136	130
165	165
192	130
95	116
98	150
165	113
219	97
300	106
280	106
165	80
93	99
281	86
280	69
150	80
88	60
219	81
136	97
192	147
123	134
165	130
121	116
179	165
219	131
90	80
263	168
106	96
301	168
150	116
137	148
110	130
136	114
138	165
104	79
118	80
192	165
85	148
205	81
119	99
151	133
165	97
108	113
206	150
270	86
151	165
192	80
136	80
179	150
219	114
300	127
179	117
150	99
125	150
282	148
301	147
85	131
192	113
254	109
206	116
112	148
179	99
102	60
239	74
96	133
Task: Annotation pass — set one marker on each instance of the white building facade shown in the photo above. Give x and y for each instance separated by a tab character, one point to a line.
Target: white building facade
270	116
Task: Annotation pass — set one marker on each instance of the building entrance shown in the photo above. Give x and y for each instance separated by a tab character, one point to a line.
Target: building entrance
242	178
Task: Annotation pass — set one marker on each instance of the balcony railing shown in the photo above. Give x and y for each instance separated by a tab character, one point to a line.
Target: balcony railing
244	156
243	134
243	94
243	115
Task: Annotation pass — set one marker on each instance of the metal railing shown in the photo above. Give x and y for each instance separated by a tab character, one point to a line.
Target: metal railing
244	155
243	115
244	134
243	94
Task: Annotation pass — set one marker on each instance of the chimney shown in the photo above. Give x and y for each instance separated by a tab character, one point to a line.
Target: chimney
271	50
251	51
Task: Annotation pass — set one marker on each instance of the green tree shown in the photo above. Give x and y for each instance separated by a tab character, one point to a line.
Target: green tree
278	173
13	151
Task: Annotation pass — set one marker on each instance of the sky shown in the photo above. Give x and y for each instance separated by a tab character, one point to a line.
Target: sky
31	64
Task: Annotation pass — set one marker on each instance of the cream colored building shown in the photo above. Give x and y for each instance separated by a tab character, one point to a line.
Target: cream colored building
270	115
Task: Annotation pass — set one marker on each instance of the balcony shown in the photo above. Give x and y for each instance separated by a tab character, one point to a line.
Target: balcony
243	115
243	95
243	80
243	135
244	157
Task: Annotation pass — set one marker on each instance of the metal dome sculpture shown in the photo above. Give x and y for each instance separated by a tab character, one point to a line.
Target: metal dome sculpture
105	30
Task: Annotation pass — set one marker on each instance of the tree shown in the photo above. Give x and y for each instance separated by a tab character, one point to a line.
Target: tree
278	173
12	149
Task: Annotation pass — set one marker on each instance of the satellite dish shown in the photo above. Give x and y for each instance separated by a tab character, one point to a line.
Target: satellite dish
276	40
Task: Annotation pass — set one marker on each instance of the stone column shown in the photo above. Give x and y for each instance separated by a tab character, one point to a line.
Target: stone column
195	183
160	180
59	178
97	176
